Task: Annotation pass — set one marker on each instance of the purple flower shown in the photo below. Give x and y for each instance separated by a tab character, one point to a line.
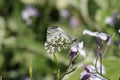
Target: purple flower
99	51
108	20
72	54
85	77
113	20
100	46
27	78
98	41
90	73
75	48
86	68
28	12
64	13
74	22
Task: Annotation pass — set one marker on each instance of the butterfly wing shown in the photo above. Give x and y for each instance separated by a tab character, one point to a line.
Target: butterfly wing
57	39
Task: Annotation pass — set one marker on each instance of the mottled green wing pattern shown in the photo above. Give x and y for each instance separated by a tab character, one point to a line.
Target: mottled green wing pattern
56	40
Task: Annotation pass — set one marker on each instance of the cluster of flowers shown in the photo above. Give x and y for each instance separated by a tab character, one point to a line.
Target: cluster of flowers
91	72
31	11
96	71
99	37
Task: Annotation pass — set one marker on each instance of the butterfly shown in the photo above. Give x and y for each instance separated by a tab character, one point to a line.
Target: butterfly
57	39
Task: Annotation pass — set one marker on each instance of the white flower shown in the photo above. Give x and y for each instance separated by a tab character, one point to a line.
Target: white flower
78	48
119	31
102	36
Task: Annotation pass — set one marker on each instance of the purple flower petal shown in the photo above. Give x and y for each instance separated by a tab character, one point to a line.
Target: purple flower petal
85	77
73	54
98	41
74	22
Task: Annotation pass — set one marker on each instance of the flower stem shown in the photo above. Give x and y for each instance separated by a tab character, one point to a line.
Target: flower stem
100	63
58	74
67	73
96	64
55	75
107	47
69	70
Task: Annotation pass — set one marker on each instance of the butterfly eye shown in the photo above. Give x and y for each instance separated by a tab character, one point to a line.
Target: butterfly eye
55	27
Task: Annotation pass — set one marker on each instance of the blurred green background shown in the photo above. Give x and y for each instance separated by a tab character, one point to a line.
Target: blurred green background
22	37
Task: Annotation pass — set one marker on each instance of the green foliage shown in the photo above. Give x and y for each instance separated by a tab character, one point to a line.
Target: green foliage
112	68
22	43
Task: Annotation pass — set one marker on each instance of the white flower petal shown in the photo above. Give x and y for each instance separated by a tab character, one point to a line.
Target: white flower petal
74	49
108	20
83	73
98	67
102	36
96	77
89	33
119	31
82	52
64	13
80	45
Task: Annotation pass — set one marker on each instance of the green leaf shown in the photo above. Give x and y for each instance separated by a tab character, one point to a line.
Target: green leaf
75	75
2	30
112	68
